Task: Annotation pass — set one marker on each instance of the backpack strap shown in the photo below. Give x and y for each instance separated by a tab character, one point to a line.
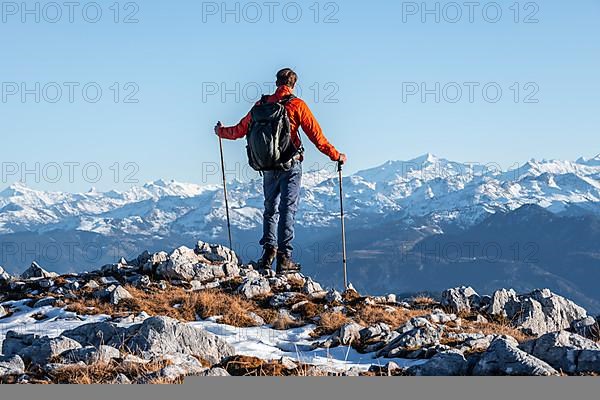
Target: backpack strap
264	99
287	99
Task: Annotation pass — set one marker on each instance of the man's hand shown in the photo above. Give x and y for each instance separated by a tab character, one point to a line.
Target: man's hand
342	160
218	126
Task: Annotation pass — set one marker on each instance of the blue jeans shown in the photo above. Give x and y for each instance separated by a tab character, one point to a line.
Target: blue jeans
282	194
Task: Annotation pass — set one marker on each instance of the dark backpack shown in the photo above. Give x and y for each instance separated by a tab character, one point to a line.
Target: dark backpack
270	146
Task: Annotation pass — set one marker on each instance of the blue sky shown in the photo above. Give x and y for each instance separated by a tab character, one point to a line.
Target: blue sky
355	74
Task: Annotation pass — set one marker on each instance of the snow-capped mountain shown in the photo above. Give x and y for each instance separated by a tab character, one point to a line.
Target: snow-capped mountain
426	187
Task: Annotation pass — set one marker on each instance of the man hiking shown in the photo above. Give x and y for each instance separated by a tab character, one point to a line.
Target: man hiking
275	149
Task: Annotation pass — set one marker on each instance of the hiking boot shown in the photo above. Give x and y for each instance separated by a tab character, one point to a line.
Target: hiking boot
285	265
266	260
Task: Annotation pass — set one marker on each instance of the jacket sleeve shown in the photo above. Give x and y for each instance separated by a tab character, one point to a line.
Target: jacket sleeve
313	131
238	131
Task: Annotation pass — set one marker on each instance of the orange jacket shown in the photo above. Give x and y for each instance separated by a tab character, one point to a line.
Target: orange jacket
299	115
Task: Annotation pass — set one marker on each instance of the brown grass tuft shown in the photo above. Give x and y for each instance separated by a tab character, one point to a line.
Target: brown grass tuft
370	315
296	283
206	303
424	302
494	328
330	322
102	373
234	309
310	310
253	366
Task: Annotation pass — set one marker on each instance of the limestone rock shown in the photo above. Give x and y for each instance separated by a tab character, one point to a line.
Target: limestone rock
44	349
91	355
587	327
119	294
350	333
255	287
215	371
158	336
499	300
458	299
311	287
11	365
423	335
503	357
449	363
97	334
35	271
566	351
4	276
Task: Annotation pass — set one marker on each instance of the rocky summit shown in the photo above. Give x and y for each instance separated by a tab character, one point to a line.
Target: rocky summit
164	316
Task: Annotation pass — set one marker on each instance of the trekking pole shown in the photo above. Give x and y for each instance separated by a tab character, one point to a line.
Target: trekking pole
225	192
343	226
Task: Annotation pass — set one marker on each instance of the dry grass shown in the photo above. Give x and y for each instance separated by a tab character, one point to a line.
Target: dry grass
253	366
330	322
494	328
295	283
234	309
350	296
423	301
310	310
370	315
102	373
206	303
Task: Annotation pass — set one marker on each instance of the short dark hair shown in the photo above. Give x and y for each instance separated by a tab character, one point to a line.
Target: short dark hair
286	77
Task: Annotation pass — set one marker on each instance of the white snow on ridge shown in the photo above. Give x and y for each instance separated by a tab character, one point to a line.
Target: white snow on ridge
262	342
270	344
426	186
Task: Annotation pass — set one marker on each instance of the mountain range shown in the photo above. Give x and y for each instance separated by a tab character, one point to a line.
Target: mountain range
417	225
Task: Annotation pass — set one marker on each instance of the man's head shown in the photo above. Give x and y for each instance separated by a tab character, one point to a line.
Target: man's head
286	77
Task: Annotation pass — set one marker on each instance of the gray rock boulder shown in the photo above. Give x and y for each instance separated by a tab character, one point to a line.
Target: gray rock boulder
186	265
538	312
283	299
500	298
438	316
543	311
139	281
14	342
11	365
4	276
35	271
253	287
158	336
154	261
333	296
181	264
46	301
380	332
90	355
97	334
458	299
311	287
350	333
422	336
119	294
215	371
566	351
182	365
448	363
44	349
216	253
503	357
587	327
121	379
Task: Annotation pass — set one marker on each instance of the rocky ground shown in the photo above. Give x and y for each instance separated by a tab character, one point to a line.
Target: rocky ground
162	317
